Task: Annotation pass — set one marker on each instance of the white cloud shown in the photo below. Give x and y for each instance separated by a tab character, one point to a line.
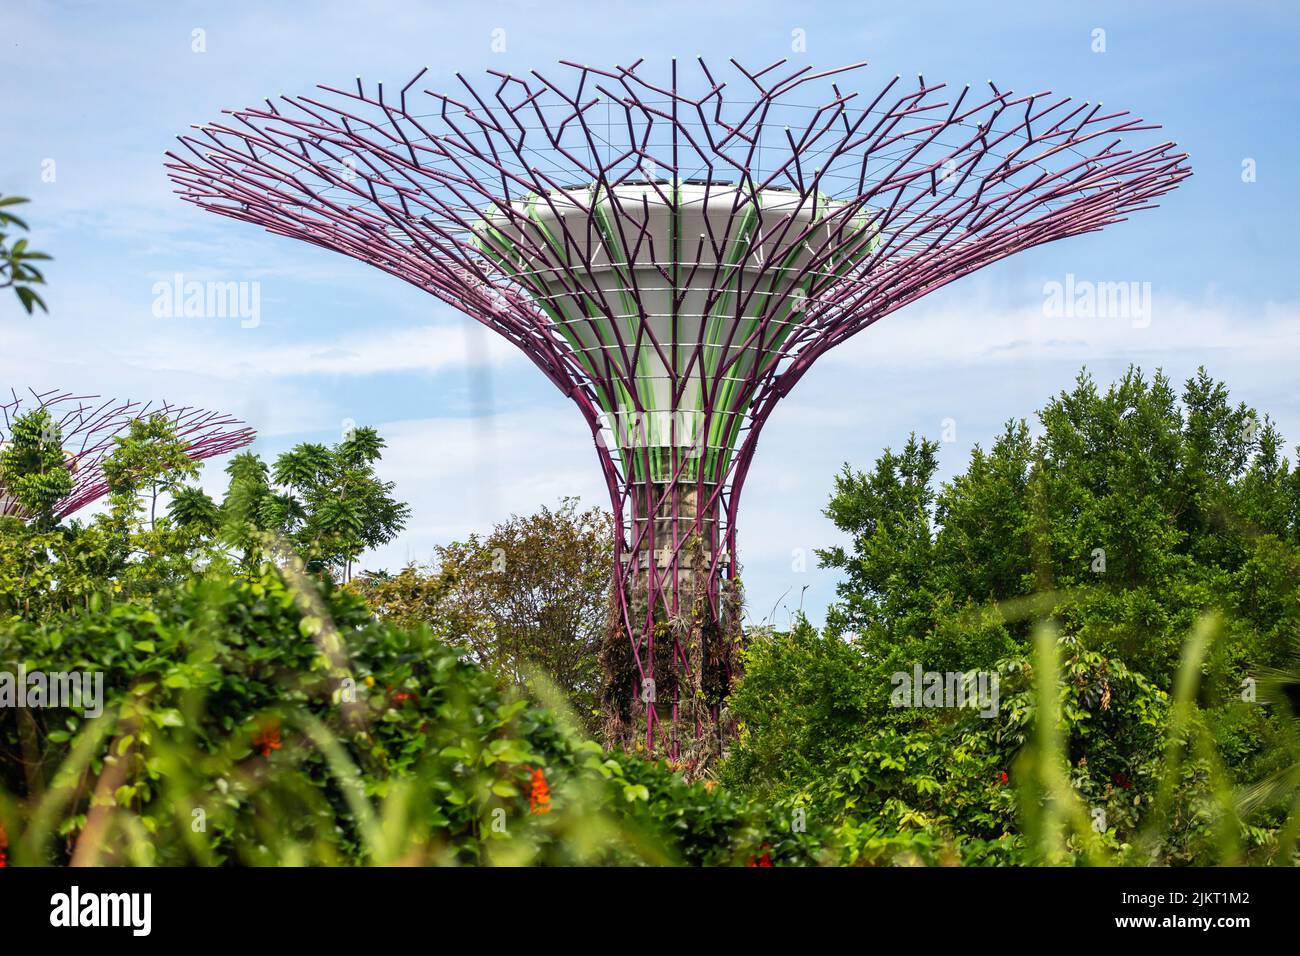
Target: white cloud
979	330
463	475
420	349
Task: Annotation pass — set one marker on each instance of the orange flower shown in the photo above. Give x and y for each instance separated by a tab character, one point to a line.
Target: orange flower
539	797
267	737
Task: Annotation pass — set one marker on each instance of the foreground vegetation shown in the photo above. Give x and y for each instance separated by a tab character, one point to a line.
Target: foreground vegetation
1130	575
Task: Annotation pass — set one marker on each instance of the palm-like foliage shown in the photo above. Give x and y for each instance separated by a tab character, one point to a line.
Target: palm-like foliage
327	502
1279	688
192	507
149	460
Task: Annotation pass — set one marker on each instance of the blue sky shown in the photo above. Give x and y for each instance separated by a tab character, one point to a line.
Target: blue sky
96	93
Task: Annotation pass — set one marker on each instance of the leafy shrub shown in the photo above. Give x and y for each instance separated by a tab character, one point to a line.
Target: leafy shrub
298	728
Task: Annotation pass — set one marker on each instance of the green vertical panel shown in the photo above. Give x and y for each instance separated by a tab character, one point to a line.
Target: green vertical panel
730	404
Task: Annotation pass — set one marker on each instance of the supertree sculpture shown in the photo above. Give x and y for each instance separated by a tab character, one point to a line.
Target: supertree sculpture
674	254
87	425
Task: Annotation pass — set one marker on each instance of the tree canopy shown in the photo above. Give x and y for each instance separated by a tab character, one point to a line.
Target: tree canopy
1125	521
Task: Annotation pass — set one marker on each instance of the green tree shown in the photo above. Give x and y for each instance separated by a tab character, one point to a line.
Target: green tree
149	460
531	594
194	508
413	597
1135	510
803	699
328	503
344	508
34	468
889	579
126	552
1135	513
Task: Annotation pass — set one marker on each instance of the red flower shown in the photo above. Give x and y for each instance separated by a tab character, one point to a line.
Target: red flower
267	737
4	843
539	797
402	695
1120	780
764	860
1002	777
